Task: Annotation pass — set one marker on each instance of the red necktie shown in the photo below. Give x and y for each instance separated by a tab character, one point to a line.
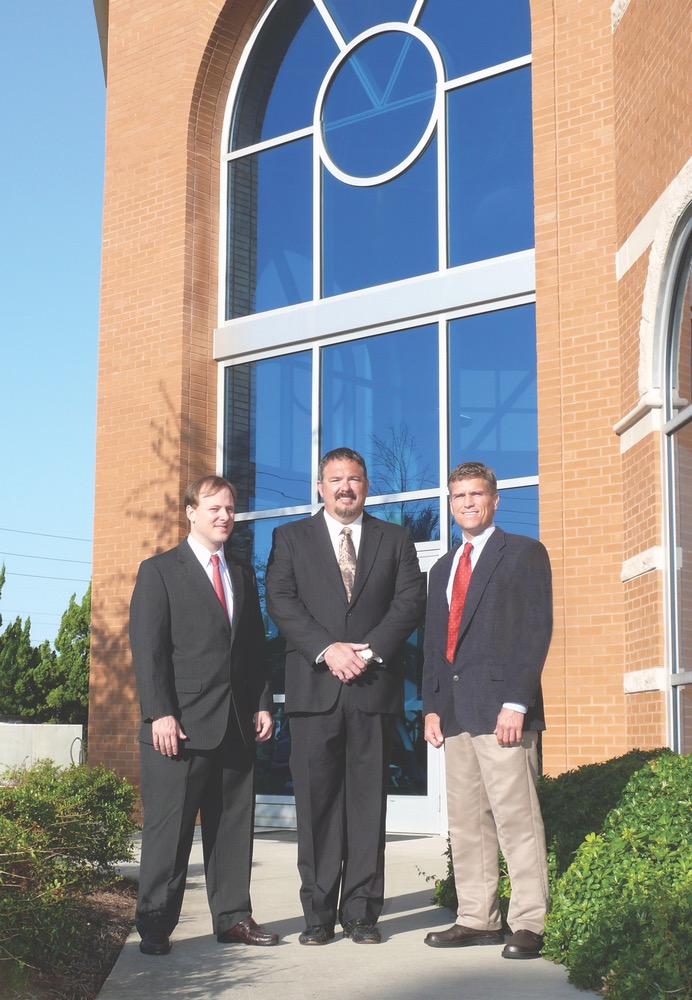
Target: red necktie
456	605
218	583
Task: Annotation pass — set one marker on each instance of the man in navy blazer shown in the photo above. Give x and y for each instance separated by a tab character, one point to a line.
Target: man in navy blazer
482	699
199	660
344	688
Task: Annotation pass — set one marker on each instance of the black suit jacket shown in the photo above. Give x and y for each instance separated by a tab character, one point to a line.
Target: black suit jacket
503	637
188	661
307	601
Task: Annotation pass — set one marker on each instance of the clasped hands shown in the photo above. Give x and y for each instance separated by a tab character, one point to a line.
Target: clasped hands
344	660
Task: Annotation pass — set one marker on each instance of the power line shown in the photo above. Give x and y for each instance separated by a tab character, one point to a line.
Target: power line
40	534
23	555
36	576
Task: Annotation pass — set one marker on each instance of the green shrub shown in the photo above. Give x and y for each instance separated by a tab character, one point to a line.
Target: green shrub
577	802
621	913
60	831
573	805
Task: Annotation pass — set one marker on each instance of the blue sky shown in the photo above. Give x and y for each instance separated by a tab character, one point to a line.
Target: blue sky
51	174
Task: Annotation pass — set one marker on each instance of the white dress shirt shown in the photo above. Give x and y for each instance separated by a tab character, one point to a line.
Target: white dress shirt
204	555
478	543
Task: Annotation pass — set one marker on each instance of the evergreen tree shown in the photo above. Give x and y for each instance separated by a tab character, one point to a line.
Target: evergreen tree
19	695
68	697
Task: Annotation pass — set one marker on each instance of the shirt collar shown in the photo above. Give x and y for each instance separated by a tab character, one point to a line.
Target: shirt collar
202	552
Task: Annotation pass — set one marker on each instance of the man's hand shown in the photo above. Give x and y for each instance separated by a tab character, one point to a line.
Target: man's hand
167	735
264	725
344	662
433	730
509	728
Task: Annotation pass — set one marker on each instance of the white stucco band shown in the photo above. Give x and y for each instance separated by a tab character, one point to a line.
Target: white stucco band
658	229
652	679
617	9
643	562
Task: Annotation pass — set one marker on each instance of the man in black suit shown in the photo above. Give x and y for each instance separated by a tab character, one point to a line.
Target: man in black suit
346	591
199	659
487	632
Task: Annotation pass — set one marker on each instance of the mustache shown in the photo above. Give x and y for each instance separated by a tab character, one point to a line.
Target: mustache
346	494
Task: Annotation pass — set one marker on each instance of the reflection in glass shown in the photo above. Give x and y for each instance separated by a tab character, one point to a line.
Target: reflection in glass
421	516
682	443
252	540
679	401
490	161
373	235
517	513
379	395
473	36
268	431
408	770
681	351
277	94
355	16
683	711
379	104
492	391
270	229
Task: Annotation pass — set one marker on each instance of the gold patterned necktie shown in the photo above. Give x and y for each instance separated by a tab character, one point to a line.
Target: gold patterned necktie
218	584
347	560
456	605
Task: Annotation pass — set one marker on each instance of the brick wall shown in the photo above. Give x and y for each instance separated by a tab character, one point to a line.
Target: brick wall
609	130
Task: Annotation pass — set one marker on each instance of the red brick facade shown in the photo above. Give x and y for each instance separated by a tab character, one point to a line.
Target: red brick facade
612	131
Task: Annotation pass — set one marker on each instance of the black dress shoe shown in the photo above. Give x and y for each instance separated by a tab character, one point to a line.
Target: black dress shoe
155	943
316	934
248	932
458	936
362	932
523	944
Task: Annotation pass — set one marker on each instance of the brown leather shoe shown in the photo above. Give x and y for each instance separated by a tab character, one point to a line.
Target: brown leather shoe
523	944
458	936
248	932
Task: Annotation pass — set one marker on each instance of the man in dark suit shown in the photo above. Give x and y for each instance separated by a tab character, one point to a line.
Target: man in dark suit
199	659
487	633
346	591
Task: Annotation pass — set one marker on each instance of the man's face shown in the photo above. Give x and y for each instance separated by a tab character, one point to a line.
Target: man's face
343	488
211	521
473	505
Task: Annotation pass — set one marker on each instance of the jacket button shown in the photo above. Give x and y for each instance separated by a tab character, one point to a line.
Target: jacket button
455	677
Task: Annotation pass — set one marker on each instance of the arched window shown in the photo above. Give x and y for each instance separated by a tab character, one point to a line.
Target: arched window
378	285
677	311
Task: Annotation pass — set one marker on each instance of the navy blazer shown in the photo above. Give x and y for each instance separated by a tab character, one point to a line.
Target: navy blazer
307	601
188	661
503	638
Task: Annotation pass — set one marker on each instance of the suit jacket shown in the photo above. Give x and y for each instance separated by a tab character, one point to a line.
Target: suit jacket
307	601
503	637
188	661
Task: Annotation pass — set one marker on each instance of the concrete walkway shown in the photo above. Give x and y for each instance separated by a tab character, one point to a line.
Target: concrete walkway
401	968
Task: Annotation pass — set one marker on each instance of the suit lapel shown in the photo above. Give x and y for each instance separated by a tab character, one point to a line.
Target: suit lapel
492	554
370	539
238	583
324	551
197	579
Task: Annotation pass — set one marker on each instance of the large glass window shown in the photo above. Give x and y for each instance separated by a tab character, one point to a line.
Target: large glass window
679	442
378	287
492	391
374	142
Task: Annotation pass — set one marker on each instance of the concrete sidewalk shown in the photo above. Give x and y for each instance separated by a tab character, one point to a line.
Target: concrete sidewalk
401	968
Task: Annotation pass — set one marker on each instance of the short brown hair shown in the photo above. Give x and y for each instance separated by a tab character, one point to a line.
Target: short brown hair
341	455
473	470
206	486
